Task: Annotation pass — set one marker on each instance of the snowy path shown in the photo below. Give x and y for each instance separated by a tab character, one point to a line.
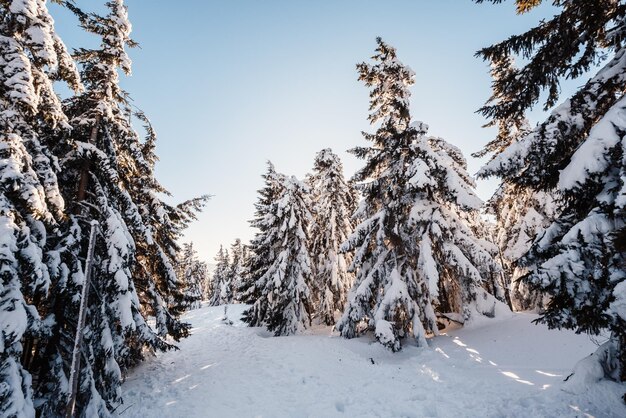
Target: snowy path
504	368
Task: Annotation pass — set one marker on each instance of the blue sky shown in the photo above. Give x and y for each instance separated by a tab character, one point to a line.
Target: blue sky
230	84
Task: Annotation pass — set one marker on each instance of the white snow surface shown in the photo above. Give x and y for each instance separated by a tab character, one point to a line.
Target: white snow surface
505	367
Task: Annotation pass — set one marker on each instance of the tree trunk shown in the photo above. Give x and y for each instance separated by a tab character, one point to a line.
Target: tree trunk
622	358
84	174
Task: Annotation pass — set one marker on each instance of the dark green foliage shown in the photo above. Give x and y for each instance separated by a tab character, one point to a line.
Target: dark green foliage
260	251
577	152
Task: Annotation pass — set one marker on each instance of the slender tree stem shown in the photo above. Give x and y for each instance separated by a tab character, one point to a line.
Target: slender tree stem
75	368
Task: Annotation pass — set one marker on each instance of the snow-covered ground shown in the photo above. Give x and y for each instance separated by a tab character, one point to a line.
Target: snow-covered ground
496	368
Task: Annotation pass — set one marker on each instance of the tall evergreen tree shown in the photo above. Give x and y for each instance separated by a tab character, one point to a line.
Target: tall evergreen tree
193	273
100	127
284	302
414	254
496	282
237	271
134	272
164	226
521	215
207	288
222	286
260	248
157	252
579	151
479	238
334	202
521	212
32	56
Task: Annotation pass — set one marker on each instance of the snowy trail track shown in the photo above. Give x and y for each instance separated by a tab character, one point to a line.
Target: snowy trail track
499	368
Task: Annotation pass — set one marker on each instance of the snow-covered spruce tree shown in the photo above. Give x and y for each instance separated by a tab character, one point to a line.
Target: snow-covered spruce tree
165	224
222	286
579	151
207	286
479	241
521	212
193	272
413	252
32	56
495	279
91	162
521	215
284	302
333	200
103	161
237	272
260	255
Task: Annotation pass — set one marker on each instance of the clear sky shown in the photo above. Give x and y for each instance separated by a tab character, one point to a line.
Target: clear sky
230	84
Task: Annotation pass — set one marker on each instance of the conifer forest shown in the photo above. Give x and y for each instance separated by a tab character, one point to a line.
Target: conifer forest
397	274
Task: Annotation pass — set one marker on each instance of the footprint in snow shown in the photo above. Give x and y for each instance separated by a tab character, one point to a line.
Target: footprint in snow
340	406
